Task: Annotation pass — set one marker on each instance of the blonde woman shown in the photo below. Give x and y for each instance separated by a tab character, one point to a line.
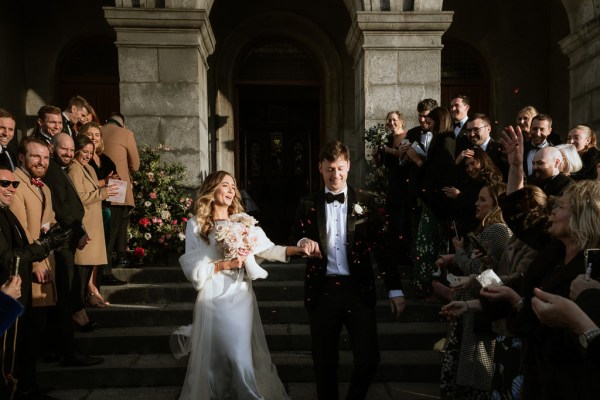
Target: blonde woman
229	357
584	139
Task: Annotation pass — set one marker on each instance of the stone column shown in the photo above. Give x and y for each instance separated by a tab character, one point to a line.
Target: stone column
583	49
397	62
162	67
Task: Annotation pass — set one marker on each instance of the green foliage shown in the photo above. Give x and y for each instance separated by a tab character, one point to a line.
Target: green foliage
376	178
162	206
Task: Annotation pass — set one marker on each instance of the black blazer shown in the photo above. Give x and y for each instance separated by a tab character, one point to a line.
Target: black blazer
552	186
13	241
5	162
65	201
436	172
363	233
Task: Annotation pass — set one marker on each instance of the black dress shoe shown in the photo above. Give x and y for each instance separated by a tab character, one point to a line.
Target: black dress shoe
80	360
90	326
111	280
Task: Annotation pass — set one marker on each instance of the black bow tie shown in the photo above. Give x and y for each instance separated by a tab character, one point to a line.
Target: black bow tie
457	124
330	197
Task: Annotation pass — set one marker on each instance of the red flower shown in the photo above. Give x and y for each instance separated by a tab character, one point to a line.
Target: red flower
139	252
144	222
184	219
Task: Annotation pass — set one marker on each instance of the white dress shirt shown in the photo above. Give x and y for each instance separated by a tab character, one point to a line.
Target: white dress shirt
462	123
336	223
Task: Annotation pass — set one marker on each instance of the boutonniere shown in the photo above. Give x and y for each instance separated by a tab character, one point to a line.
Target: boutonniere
358	210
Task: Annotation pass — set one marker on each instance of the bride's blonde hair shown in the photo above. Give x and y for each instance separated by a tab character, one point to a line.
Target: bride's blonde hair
204	203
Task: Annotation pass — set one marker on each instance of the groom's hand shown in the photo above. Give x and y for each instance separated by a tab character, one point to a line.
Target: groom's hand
310	247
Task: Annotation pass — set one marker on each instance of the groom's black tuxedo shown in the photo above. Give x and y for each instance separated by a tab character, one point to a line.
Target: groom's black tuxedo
362	234
336	301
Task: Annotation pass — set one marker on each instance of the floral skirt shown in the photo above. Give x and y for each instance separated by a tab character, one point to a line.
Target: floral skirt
431	241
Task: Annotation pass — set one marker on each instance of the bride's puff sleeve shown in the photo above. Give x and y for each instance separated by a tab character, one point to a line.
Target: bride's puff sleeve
198	261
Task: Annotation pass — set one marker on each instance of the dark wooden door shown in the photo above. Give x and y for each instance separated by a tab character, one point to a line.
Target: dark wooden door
278	144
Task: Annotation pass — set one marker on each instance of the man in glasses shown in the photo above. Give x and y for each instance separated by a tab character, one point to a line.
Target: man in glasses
14	241
479	128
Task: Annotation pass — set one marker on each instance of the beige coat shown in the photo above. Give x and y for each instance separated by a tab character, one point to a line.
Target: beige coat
120	146
34	211
86	183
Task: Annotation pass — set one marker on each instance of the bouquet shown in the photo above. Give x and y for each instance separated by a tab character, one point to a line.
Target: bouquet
235	239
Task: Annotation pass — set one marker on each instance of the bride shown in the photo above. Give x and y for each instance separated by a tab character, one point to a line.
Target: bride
229	355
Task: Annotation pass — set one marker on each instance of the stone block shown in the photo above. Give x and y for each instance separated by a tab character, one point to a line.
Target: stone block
382	67
161	99
179	133
419	66
138	64
178	65
580	107
146	129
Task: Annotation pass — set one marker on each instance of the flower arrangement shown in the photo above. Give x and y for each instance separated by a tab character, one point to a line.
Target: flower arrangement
162	206
233	236
376	178
236	238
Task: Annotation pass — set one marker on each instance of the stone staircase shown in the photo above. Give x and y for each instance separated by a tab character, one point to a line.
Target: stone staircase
134	332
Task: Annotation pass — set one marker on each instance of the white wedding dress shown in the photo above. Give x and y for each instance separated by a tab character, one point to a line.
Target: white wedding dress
229	357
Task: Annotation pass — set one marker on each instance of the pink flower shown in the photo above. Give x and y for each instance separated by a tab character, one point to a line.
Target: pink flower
153	195
184	219
144	222
174	222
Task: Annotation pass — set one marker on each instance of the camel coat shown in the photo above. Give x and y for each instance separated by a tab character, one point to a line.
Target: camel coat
86	183
34	212
120	146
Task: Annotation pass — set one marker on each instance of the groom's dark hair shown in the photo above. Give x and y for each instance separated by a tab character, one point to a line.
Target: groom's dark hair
333	150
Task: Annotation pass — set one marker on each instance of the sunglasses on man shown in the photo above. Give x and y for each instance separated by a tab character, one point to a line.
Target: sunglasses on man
6	183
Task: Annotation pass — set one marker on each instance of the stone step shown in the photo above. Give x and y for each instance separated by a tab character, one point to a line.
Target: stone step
127	370
296	391
284	312
280	337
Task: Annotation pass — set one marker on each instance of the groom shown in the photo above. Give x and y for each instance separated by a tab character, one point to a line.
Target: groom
338	227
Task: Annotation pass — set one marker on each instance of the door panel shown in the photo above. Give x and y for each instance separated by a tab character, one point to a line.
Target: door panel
279	140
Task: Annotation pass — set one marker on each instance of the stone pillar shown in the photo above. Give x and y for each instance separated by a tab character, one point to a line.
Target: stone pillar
583	49
397	62
163	68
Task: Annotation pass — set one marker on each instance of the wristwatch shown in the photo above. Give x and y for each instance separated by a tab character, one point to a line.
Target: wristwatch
586	337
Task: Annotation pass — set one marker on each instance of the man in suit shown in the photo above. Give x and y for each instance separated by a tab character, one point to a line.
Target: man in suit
338	227
421	133
69	212
14	242
546	172
479	128
120	146
7	132
459	109
49	123
541	128
75	111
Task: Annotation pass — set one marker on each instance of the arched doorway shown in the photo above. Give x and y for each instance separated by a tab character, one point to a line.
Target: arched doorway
278	90
90	68
464	72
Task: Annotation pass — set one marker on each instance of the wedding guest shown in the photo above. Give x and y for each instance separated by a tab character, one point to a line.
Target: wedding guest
584	139
553	365
229	357
105	169
91	194
339	227
524	117
7	132
467	366
436	171
571	161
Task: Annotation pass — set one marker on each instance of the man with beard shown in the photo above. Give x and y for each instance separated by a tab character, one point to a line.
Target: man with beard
546	172
69	212
479	128
541	128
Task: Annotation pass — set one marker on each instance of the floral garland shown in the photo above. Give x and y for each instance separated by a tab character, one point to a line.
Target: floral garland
376	178
162	206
